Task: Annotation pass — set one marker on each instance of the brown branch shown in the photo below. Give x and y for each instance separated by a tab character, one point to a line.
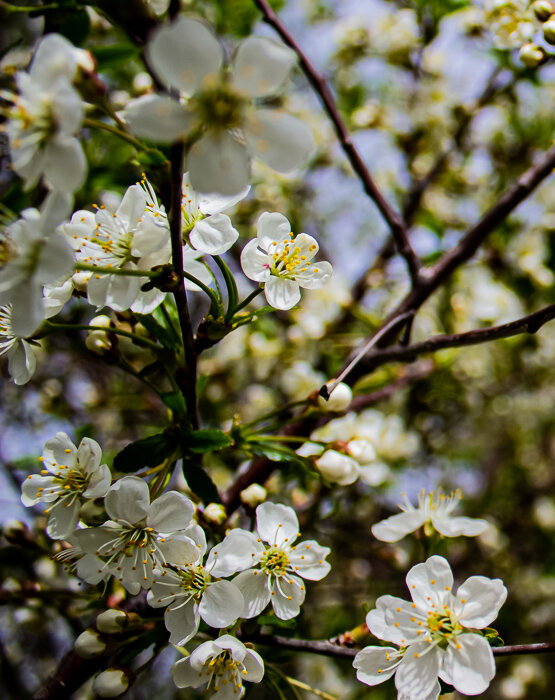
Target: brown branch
527	324
188	379
392	217
326	648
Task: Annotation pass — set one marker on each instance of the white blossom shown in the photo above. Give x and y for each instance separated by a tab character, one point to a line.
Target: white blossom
222	664
129	239
510	21
32	255
273	569
192	591
283	261
435	635
433	511
45	116
338	468
70	475
139	537
111	683
187	57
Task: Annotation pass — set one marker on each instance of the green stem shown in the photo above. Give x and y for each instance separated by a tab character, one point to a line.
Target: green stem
85	267
276	412
232	292
214	301
97	124
26	8
83	327
281	438
247	300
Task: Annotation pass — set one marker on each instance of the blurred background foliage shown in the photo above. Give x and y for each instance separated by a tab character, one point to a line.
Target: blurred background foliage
428	100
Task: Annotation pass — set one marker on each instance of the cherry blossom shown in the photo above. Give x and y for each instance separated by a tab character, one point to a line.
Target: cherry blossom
71	474
433	511
435	635
222	664
217	104
283	261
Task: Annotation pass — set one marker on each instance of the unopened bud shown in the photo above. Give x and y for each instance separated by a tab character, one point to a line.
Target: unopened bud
338	468
339	398
549	31
98	341
543	9
111	683
112	621
254	495
89	644
531	55
215	513
361	450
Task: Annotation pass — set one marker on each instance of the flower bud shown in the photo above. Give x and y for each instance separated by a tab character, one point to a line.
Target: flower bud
549	31
254	495
339	398
112	621
111	683
98	341
338	468
361	450
531	55
215	513
543	9
89	644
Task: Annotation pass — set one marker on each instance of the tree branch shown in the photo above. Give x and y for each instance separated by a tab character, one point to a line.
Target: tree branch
326	648
392	217
527	324
187	382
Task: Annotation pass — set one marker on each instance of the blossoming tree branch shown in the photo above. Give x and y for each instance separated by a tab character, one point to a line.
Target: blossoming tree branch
233	455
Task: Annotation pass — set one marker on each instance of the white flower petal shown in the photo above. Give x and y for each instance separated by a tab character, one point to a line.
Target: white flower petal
62	519
172	511
183	54
278	139
316	276
35	489
221	604
65	165
56	259
185	676
254	666
27	309
260	65
430	581
213	235
254	262
277	524
178	549
116	291
416	675
159	119
238	550
453	527
308	558
470	665
216	203
99	483
272	227
253	586
282	293
394	528
338	468
376	664
128	499
21	362
483	598
287	596
182	620
218	163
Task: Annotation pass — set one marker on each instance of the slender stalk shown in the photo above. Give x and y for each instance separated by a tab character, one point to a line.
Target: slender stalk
231	287
247	300
124	272
214	301
103	126
189	384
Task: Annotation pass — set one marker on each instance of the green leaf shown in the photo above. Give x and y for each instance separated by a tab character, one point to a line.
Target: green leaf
175	402
199	482
114	54
275	453
207	441
163	335
274	621
147	452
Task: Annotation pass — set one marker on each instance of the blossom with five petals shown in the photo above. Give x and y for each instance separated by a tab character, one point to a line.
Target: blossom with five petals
223	664
192	591
433	511
283	261
139	537
216	105
70	475
435	635
278	566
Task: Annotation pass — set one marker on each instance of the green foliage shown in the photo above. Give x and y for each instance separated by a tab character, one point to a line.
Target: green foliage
147	452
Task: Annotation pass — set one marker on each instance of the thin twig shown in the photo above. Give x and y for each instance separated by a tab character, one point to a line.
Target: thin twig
527	324
326	648
392	217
